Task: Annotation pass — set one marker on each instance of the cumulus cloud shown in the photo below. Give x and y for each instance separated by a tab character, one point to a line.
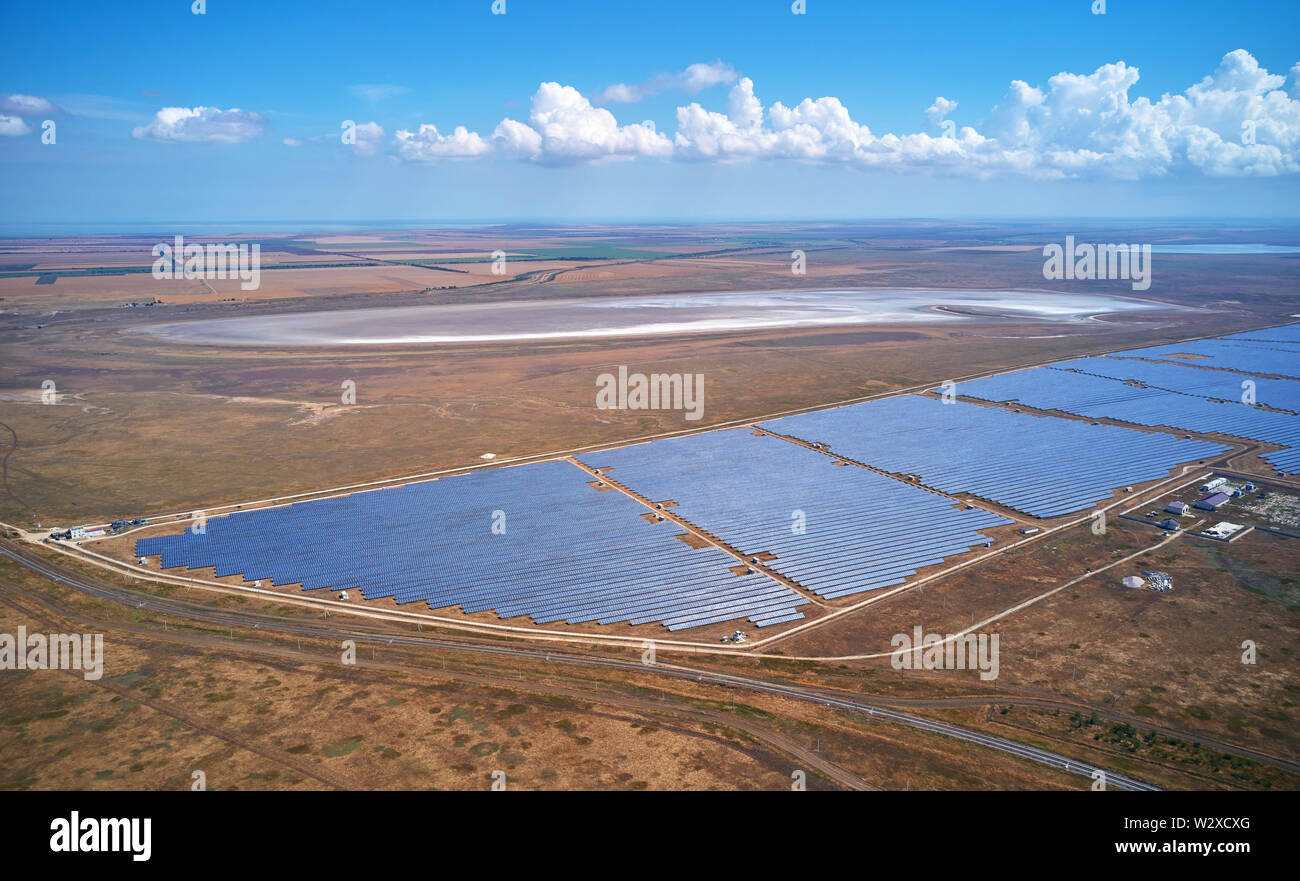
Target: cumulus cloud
563	128
692	80
369	138
12	126
939	109
429	144
202	124
29	105
292	142
1238	120
572	130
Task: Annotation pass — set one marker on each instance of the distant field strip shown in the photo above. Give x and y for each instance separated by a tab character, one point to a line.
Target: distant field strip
835	530
1040	465
567	552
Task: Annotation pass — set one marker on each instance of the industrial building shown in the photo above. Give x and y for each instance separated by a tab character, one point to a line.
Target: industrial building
1212	503
1223	529
1178	508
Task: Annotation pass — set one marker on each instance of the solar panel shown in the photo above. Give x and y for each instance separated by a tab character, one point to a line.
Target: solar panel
567	552
1094	396
1041	465
1248	356
1287	333
836	530
1281	394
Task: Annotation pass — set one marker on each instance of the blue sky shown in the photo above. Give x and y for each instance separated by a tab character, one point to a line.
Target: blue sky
295	71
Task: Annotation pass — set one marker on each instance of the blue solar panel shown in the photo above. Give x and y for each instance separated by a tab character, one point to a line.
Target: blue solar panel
568	552
1043	466
837	530
1281	394
1287	333
1248	356
1049	388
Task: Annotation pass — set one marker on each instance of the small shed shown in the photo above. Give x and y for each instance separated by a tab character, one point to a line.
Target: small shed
1170	523
1176	508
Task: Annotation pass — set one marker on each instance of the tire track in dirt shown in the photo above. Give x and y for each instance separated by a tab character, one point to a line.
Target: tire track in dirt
4	467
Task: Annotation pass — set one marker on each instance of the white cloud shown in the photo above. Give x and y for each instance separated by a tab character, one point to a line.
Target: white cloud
370	136
1086	123
563	128
428	144
516	140
572	130
12	126
1239	120
202	124
817	130
292	142
939	109
29	105
692	80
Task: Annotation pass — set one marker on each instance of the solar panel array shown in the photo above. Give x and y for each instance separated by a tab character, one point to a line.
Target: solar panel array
1282	394
837	530
1043	466
1048	388
568	552
1248	356
1287	333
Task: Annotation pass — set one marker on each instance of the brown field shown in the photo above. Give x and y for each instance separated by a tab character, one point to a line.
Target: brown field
268	712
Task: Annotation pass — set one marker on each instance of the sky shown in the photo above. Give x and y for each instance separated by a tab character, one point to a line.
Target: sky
601	111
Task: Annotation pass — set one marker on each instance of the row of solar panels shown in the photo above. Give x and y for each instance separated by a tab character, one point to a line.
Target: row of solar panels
836	530
1264	357
1040	465
1172	395
1286	333
1224	385
534	540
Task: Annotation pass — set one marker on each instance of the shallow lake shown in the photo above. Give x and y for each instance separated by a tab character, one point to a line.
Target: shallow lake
641	316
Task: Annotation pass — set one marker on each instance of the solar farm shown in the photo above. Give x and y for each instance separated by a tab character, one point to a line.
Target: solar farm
562	552
835	530
1206	398
1039	465
760	524
1259	357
